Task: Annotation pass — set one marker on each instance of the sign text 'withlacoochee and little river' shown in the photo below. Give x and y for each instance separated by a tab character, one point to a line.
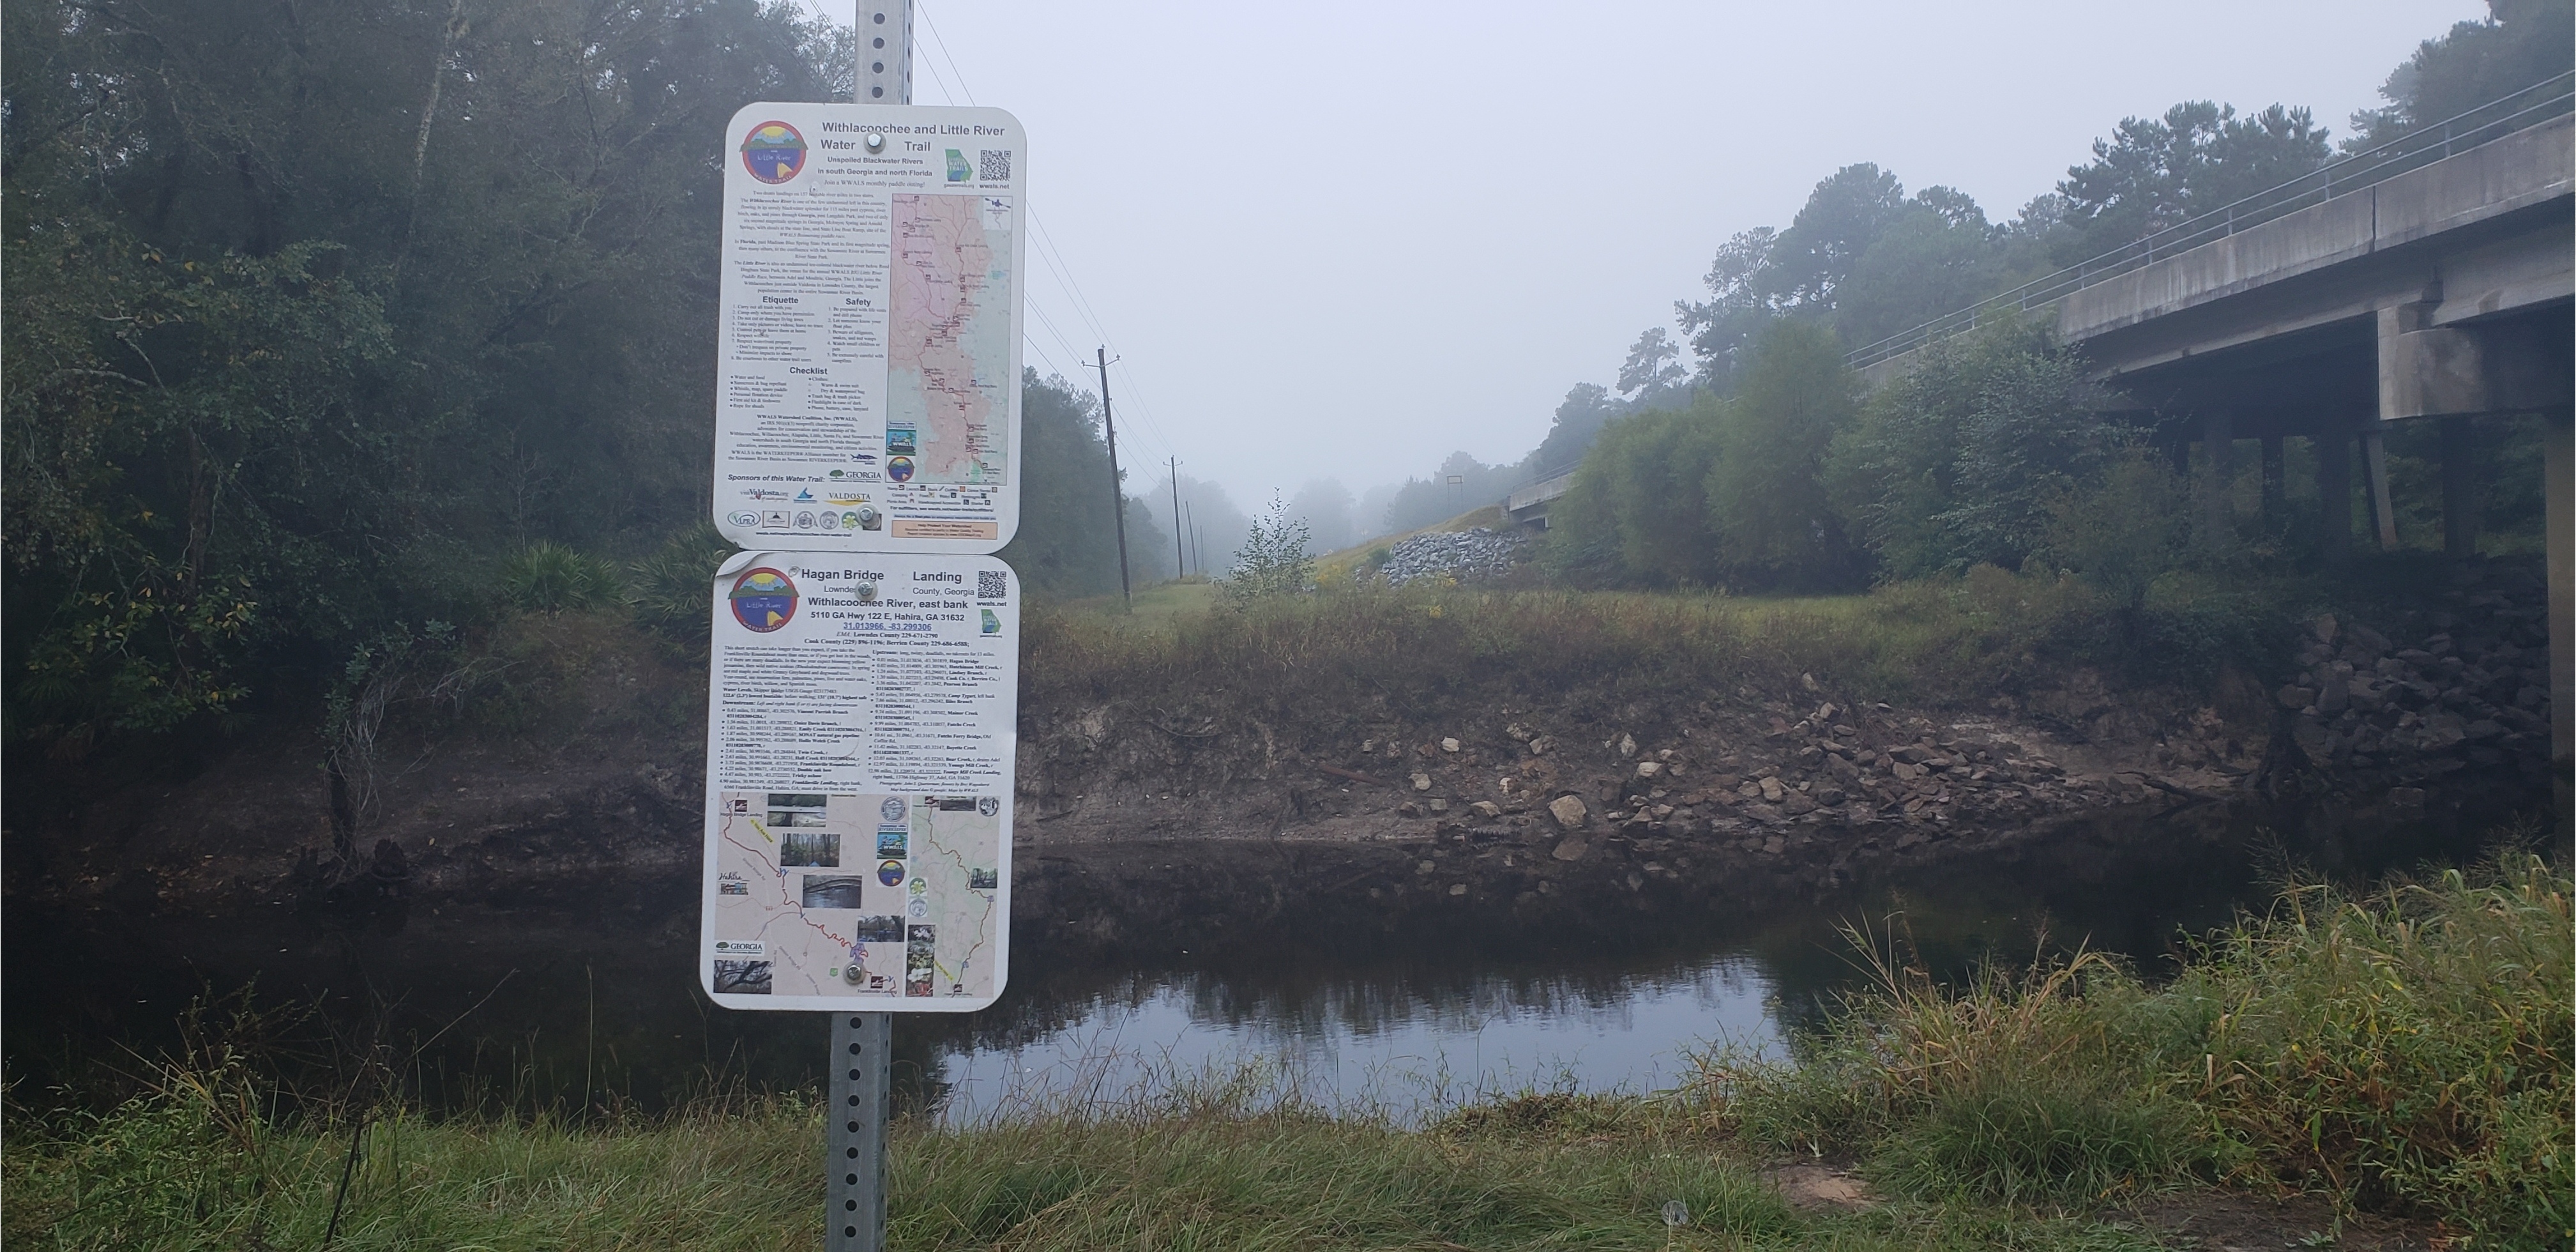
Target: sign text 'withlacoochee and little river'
864	669
868	390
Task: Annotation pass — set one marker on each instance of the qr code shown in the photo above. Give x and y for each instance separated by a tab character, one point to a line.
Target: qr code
994	166
992	584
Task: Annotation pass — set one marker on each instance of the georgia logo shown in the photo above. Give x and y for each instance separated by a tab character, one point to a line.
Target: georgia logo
763	600
773	152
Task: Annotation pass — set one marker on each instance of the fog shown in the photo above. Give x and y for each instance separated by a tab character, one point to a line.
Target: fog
1343	240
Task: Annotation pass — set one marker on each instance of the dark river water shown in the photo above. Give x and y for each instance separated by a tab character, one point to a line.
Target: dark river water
598	1005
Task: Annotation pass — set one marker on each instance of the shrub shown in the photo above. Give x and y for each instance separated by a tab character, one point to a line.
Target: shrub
672	587
547	577
2409	1049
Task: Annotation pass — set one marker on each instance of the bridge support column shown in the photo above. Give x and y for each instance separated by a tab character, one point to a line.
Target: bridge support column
2276	486
2558	468
2374	466
2459	488
2220	498
2334	490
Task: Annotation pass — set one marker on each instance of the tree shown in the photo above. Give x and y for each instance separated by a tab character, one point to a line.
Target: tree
1325	506
2522	42
1767	509
1653	375
1957	463
1587	407
1274	560
319	312
2157	172
1424	502
1637	511
2122	531
1067	543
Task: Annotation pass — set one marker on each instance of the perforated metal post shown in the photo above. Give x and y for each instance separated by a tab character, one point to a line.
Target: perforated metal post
855	1132
885	52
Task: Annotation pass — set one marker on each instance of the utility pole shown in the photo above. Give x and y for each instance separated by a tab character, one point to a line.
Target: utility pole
1190	526
1117	487
1180	558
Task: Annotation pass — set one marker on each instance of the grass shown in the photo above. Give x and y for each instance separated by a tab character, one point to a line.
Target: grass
181	1171
1422	648
2406	1050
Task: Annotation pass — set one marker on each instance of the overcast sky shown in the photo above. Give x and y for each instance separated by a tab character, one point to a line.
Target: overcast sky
1344	238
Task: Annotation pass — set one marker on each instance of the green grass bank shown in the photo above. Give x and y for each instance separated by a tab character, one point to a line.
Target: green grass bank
2403	1052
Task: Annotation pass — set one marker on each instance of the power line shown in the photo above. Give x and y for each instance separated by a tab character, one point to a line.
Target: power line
1141	402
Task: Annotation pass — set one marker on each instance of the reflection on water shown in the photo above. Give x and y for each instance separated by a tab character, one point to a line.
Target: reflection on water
563	1006
1370	1044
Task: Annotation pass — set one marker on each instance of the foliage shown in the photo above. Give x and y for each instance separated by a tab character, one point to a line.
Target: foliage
1067	543
203	1166
2124	533
1273	561
1637	511
2155	172
190	471
313	308
1957	462
2411	1047
1766	504
671	587
2407	1049
2522	42
547	577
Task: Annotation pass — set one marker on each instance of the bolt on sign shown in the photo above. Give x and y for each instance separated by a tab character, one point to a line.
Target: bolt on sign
862	724
868	390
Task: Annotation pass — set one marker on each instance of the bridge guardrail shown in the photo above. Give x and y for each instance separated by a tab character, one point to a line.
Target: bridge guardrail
2493	120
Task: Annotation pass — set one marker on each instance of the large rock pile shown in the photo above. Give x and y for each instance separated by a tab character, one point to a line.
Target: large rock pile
1465	556
2454	689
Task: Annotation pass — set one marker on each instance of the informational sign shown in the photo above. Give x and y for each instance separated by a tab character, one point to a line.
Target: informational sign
862	721
868	376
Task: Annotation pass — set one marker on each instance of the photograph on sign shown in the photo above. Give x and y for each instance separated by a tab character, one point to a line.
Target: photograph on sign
868	347
862	720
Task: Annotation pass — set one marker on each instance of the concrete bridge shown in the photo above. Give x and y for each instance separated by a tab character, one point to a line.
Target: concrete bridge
2429	280
1528	505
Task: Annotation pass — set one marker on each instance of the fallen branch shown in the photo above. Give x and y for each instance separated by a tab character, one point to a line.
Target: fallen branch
1352	774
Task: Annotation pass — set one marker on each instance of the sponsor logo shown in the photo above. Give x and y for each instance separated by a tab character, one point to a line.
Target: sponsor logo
774	152
743	517
740	948
958	170
899	468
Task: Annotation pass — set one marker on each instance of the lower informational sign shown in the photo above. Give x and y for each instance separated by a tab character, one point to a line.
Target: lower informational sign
862	721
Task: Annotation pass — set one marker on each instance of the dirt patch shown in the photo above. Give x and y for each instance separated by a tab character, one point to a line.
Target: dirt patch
2223	1221
1820	1188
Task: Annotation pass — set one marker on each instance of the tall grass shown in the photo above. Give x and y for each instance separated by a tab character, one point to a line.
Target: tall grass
185	1169
1421	648
2407	1049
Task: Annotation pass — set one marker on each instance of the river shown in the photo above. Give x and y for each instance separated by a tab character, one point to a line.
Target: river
597	1005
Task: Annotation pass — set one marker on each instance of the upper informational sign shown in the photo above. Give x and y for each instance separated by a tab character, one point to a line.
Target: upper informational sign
861	727
868	389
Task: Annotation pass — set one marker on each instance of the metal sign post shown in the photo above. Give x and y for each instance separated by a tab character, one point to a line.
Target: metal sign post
860	1088
854	1135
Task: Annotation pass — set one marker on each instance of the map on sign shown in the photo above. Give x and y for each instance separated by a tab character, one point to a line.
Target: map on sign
865	894
868	347
950	373
862	725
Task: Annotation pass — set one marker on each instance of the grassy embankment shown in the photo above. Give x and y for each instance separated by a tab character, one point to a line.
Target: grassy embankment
2407	1051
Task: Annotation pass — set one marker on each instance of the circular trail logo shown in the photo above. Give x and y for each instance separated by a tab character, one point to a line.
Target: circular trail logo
763	600
774	152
